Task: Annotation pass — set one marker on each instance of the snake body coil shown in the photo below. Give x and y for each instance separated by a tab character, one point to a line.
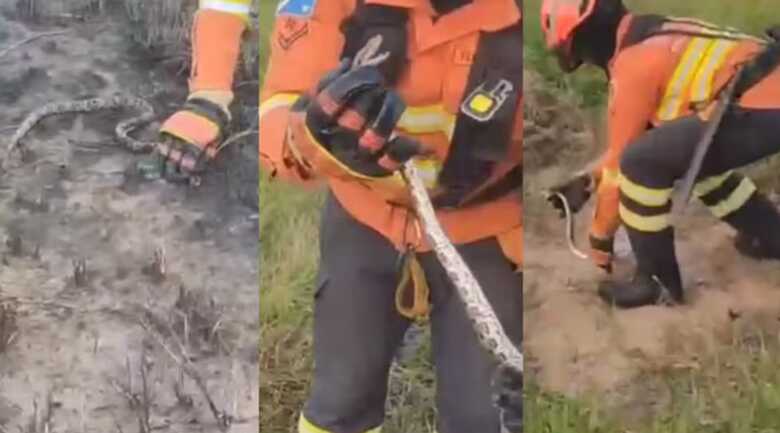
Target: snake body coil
483	319
122	130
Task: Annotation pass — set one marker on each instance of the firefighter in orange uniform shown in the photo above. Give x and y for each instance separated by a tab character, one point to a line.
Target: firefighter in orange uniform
664	76
439	83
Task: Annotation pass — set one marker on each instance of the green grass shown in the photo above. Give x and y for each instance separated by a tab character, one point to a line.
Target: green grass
739	390
289	252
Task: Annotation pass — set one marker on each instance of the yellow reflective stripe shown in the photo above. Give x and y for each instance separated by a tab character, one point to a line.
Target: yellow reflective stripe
736	200
644	195
236	7
428	169
710	184
276	101
701	89
655	223
611	177
428	120
415	120
304	426
673	97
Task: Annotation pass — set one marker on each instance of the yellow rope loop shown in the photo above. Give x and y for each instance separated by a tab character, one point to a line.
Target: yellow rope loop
413	287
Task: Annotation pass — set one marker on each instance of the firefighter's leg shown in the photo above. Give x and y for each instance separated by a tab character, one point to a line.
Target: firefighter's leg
463	368
649	169
745	137
356	327
734	198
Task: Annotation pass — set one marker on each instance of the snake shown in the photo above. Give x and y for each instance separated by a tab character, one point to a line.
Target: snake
490	332
122	129
570	226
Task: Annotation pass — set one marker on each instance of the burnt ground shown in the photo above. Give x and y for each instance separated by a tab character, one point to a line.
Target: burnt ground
83	353
577	345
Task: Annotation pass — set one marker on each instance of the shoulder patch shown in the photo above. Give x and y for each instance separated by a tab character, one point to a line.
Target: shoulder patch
296	8
291	30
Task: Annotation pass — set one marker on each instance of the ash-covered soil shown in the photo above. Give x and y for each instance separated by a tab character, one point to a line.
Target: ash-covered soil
170	271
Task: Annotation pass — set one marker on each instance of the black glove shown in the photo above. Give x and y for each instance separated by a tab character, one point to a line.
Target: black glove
353	115
774	32
190	139
509	398
602	252
577	192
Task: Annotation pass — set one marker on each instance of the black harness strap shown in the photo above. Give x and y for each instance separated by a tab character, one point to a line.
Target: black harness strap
479	142
644	27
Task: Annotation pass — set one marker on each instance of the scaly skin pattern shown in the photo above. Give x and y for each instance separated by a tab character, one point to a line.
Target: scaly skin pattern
122	130
484	320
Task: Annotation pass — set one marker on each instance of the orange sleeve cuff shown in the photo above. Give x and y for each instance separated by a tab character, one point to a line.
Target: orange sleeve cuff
216	44
606	219
191	128
512	245
274	156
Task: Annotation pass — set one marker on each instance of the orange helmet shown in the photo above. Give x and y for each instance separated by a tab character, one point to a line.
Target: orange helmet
560	18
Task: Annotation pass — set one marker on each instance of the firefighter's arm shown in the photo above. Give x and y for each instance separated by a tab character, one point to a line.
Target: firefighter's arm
216	44
633	98
197	127
304	46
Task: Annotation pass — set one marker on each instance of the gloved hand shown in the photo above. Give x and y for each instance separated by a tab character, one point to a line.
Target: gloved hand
352	115
602	252
774	33
509	398
577	192
191	136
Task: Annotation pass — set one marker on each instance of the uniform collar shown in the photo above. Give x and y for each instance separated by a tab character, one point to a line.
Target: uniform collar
480	15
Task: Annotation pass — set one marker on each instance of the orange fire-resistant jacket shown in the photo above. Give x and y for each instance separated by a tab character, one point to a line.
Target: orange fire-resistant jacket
305	47
662	78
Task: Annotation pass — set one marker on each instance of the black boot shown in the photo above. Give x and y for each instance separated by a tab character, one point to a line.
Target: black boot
657	279
758	225
641	291
755	248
